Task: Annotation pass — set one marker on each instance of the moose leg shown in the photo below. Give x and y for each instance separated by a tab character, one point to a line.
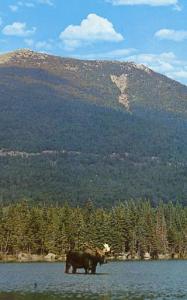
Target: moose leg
93	270
68	265
74	270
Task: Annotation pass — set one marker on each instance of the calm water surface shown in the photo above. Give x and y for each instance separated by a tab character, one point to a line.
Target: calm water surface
115	280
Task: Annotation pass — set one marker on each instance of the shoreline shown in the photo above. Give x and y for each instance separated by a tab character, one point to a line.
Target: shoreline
10	259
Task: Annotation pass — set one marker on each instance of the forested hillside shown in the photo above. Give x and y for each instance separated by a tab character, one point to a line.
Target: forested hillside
71	130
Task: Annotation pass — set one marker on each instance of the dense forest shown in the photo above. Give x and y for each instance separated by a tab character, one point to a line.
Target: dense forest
133	227
102	154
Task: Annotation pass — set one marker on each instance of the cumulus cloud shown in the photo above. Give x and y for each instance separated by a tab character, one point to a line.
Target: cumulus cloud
166	63
39	45
47	2
29	4
14	8
29	42
26	4
92	29
117	54
181	74
18	29
159	62
170	34
43	45
144	2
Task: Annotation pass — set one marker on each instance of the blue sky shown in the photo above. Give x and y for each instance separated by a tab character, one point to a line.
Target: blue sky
152	32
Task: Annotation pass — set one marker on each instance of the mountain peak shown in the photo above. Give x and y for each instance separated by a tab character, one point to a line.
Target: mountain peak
22	55
23	51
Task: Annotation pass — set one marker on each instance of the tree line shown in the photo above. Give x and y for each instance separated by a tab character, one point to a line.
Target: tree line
133	227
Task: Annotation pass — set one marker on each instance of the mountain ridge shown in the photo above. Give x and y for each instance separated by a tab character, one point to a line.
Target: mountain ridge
101	111
138	78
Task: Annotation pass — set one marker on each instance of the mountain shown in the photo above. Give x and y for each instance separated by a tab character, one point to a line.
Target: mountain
73	130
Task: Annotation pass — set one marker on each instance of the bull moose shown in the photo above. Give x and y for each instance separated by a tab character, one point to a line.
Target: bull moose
86	259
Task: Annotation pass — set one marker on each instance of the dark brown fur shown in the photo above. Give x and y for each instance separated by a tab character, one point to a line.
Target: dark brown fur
86	259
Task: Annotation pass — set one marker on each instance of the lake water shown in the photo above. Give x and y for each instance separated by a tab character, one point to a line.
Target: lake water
115	280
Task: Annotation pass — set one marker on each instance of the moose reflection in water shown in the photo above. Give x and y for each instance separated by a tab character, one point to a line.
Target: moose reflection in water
86	259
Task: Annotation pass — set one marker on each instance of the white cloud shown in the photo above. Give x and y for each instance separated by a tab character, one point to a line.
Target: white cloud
19	4
178	7
144	2
18	29
43	45
118	54
13	8
181	74
47	2
93	28
166	63
30	4
170	34
159	62
29	42
39	45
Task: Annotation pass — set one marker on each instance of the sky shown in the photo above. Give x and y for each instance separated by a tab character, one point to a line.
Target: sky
149	32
